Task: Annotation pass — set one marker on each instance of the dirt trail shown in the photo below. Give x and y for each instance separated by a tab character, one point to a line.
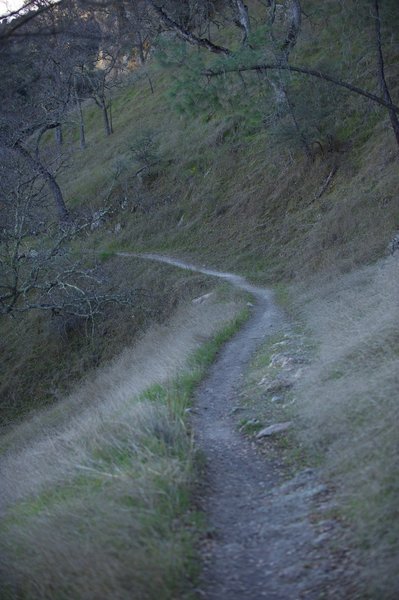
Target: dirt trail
261	542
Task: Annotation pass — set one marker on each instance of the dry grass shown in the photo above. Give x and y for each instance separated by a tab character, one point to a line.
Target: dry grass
233	197
95	491
226	189
348	406
43	356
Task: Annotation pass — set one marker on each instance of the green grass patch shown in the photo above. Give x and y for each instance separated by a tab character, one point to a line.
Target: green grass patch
205	355
105	255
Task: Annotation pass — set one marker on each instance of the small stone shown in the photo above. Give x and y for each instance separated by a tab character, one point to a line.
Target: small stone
276	399
280	360
272	429
394	243
321	539
298	373
202	299
276	385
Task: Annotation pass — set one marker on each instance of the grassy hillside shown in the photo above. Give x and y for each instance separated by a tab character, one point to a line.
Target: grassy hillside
347	406
223	177
45	356
208	170
96	495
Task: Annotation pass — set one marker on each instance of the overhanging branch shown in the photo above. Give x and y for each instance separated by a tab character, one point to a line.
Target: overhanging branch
184	34
310	73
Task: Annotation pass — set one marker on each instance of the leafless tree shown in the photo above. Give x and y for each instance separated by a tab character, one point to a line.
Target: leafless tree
38	270
30	108
39	81
99	80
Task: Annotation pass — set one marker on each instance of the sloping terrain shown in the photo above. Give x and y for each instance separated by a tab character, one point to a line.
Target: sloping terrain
95	496
213	170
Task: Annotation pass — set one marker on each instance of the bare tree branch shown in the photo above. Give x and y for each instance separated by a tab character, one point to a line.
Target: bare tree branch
186	35
22	19
40	274
305	71
39	168
381	69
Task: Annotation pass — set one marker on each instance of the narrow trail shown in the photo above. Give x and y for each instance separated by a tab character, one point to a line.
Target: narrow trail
261	542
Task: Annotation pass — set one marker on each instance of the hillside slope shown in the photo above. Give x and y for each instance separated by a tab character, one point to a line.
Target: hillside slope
213	170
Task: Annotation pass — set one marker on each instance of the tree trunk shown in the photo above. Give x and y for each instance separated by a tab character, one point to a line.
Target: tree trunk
82	134
294	28
58	135
272	6
242	20
375	11
106	120
282	57
282	98
140	48
305	144
111	122
55	189
57	195
150	82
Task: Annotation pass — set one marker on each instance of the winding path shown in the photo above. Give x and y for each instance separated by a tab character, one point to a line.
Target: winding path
261	543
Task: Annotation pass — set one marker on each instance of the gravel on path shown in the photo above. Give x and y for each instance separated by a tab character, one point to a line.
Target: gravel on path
262	540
